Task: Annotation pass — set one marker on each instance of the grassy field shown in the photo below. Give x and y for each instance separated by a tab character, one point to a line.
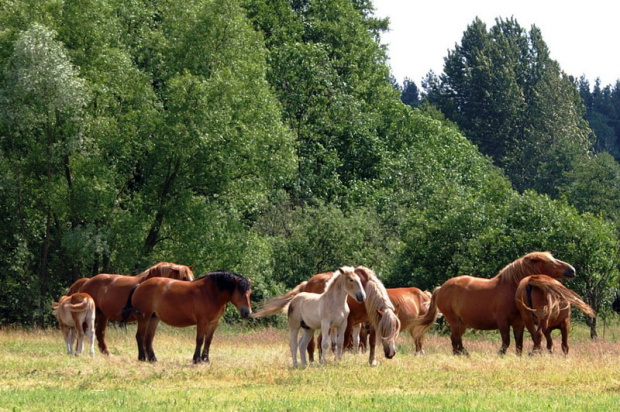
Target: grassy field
250	370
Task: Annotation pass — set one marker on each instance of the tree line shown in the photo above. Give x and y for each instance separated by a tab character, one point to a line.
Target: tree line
266	137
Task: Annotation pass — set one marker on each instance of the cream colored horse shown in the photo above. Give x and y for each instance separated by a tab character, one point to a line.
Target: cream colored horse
74	313
324	311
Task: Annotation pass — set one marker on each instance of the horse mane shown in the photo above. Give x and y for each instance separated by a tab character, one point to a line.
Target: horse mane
522	267
164	269
229	281
387	326
337	275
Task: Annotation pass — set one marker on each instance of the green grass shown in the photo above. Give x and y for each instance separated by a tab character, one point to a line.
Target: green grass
250	370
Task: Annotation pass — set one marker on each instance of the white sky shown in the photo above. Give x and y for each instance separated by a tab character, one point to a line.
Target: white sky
582	36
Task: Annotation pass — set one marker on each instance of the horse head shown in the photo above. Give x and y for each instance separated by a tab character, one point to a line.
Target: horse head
352	283
241	296
388	327
544	263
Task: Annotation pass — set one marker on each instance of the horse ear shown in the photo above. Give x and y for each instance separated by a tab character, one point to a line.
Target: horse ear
380	312
192	267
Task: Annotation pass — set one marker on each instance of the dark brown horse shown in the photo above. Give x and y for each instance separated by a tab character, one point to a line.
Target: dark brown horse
181	304
110	293
488	304
544	304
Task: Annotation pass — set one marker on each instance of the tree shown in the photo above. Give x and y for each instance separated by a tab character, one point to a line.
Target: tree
506	94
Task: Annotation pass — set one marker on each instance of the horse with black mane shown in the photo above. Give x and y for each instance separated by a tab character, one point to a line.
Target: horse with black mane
201	302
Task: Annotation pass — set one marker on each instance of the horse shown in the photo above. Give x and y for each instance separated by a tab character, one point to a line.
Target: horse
377	309
201	302
411	303
488	304
544	304
110	292
327	310
76	317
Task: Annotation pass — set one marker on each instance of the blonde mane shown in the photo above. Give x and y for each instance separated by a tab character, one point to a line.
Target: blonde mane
167	270
387	326
522	267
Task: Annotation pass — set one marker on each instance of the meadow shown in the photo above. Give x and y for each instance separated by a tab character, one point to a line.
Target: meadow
250	371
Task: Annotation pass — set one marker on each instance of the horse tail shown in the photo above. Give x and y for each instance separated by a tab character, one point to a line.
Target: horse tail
558	294
129	310
423	323
78	307
279	303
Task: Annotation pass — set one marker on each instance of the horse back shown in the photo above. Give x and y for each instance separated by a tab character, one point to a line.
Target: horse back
477	302
410	303
109	292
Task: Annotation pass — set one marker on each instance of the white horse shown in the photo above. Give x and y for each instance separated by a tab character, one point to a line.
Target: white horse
73	312
324	311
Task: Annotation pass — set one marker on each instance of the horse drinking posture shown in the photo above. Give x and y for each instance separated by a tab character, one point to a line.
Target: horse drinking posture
488	304
181	304
327	310
544	304
110	293
76	317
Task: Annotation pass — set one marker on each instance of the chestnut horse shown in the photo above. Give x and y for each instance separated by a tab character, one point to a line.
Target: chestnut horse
324	311
76	317
544	304
110	293
181	304
410	303
488	304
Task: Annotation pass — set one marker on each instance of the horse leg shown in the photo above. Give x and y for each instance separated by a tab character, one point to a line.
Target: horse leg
68	335
549	339
372	343
418	343
518	331
355	337
504	330
325	326
208	338
564	329
80	333
101	322
293	344
311	346
307	337
340	335
148	339
143	325
457	329
90	333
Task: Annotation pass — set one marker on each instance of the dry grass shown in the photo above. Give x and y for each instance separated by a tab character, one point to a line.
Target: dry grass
250	370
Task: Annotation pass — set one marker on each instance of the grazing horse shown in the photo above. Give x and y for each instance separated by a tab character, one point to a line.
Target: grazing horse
76	317
488	304
181	304
324	311
410	303
377	309
110	293
544	304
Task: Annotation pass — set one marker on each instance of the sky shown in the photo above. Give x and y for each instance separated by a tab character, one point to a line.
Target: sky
582	36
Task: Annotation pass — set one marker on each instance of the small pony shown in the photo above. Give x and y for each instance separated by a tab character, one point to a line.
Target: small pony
544	304
324	311
76	317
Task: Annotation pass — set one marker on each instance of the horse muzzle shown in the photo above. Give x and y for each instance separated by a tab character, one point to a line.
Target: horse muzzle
245	312
389	352
569	272
360	297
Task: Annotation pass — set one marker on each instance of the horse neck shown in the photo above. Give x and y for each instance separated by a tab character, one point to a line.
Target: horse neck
336	289
212	292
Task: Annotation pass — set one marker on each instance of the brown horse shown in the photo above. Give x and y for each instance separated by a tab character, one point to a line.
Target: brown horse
411	303
488	304
181	304
110	293
544	304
